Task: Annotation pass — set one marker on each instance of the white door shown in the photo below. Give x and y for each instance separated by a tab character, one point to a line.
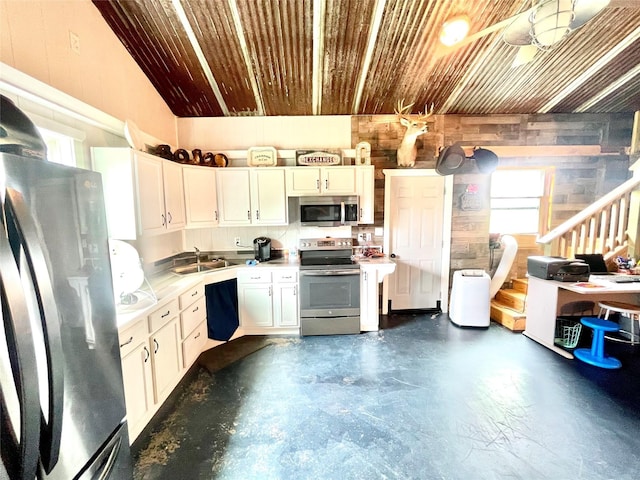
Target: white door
201	203
150	195
416	238
173	195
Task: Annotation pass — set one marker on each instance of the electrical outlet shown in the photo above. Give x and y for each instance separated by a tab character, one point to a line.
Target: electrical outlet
360	237
237	240
368	236
74	42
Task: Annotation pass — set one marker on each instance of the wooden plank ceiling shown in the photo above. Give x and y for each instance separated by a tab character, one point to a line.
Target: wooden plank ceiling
321	57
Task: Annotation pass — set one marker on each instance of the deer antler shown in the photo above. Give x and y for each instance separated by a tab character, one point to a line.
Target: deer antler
402	110
423	116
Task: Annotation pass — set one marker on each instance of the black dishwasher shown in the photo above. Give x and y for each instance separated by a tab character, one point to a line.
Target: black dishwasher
222	309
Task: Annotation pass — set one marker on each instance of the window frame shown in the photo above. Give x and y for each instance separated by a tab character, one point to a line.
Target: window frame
545	201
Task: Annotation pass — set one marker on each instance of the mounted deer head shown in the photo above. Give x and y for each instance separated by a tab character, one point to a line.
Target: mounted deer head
407	151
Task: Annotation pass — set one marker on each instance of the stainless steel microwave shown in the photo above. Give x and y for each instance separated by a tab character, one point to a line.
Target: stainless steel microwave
329	211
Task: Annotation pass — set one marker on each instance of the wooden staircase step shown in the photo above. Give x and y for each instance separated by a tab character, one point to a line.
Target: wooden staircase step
507	317
511	298
520	284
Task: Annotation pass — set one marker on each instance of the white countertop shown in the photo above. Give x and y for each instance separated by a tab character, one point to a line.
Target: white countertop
168	285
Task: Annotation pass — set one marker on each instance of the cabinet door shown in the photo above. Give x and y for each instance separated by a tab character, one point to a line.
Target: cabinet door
138	387
286	305
339	180
234	196
193	344
268	197
173	195
150	194
201	202
165	345
255	303
369	318
366	193
303	181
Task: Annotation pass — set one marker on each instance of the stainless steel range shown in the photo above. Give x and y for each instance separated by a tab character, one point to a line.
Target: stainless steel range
329	287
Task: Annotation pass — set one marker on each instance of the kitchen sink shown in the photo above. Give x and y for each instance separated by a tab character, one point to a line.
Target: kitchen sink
201	267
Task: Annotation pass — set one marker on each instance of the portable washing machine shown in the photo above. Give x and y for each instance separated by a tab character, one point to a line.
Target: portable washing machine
470	303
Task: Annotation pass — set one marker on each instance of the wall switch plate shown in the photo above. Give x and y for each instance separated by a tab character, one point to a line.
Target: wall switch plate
368	236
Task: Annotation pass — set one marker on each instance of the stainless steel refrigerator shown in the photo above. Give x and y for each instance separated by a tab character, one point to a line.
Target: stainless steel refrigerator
62	402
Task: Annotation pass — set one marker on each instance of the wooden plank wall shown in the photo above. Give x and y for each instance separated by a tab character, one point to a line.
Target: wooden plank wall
579	179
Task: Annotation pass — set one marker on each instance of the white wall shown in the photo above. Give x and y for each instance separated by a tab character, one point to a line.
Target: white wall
238	133
35	40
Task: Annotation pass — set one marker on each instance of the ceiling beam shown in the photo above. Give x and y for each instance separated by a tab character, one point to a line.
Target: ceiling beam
609	89
246	57
182	16
319	11
591	71
376	20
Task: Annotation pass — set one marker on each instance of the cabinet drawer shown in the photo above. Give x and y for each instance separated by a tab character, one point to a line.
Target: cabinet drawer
254	276
191	295
132	336
192	315
192	346
285	276
163	315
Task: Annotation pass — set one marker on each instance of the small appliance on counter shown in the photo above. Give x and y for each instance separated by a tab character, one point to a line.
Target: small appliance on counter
262	249
558	268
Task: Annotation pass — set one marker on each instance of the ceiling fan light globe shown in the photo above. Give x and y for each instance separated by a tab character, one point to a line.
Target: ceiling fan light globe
551	22
454	30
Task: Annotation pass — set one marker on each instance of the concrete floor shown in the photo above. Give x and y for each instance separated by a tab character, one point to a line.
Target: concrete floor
421	399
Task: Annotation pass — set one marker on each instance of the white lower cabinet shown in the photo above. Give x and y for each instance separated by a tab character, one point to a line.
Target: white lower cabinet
368	300
137	375
157	349
268	300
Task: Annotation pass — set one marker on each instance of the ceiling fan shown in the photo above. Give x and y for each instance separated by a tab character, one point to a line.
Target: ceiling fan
536	28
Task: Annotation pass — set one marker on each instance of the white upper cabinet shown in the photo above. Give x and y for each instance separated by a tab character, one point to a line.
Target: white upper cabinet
234	196
268	197
366	193
201	202
337	180
144	194
252	196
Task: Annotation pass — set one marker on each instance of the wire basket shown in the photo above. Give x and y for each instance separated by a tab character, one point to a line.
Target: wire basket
567	332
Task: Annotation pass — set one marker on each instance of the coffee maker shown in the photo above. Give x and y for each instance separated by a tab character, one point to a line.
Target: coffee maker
262	249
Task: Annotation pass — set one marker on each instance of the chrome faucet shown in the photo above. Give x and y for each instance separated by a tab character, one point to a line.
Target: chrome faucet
197	255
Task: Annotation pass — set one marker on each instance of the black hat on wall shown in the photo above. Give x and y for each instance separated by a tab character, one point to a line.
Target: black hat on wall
486	160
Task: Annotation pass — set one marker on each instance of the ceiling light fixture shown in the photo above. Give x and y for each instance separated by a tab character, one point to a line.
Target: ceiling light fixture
548	22
454	30
551	22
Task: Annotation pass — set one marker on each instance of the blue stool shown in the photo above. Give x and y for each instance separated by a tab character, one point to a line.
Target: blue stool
595	355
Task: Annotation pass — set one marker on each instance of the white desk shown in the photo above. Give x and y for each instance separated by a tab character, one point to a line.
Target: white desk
545	297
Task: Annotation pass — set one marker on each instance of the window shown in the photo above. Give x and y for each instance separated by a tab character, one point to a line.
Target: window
60	147
520	200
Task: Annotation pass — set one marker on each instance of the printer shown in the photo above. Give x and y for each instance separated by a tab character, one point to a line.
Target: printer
558	268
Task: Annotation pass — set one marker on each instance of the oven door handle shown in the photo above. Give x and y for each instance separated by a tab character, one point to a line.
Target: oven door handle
325	273
342	214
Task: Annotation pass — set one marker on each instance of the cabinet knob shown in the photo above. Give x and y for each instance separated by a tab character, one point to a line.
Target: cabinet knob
318	184
248	214
127	342
326	183
164	315
216	215
257	214
157	346
147	354
164	223
169	216
196	309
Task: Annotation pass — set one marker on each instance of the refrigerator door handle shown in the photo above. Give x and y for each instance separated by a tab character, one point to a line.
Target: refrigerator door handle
22	227
19	457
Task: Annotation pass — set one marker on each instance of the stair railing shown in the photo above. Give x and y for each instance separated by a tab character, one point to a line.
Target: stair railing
599	228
